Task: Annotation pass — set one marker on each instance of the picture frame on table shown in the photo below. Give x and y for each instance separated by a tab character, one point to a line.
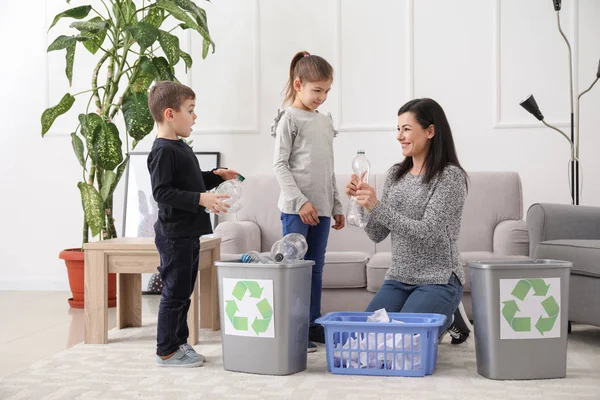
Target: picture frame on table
140	210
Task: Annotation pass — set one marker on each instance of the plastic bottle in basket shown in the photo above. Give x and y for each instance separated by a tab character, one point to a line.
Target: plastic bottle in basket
293	246
233	188
356	214
255	257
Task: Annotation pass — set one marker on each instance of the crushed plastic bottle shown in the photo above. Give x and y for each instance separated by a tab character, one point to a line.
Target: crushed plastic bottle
293	246
255	257
356	215
233	188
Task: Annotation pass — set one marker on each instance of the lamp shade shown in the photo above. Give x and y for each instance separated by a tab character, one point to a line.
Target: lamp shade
531	105
556	5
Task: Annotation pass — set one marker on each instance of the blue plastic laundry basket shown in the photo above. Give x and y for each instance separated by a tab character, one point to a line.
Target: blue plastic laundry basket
404	348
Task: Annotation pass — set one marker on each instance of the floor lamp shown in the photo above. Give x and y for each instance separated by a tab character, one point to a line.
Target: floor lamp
531	106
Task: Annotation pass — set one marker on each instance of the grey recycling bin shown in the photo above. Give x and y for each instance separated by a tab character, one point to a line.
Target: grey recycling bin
520	316
264	316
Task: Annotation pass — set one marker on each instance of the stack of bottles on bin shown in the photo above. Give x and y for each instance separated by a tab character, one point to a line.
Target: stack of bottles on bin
293	246
233	188
357	215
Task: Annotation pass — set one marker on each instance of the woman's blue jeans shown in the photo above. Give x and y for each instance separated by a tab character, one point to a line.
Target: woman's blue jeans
396	296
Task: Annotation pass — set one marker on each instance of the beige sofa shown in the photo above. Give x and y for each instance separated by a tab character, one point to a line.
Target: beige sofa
492	228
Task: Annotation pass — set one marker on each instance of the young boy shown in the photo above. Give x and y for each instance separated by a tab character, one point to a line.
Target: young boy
179	187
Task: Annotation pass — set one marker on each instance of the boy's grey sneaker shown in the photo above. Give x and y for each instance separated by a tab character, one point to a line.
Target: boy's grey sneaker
311	347
179	360
189	350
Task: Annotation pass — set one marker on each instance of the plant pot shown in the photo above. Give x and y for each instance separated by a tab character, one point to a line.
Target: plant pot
74	261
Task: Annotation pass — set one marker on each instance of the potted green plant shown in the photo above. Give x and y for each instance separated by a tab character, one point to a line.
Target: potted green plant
135	46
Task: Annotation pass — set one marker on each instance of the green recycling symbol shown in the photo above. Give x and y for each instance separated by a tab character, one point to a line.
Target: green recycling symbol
549	304
240	323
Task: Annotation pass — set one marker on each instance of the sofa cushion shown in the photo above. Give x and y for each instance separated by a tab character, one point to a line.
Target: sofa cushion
345	269
376	269
259	205
342	270
492	197
584	254
380	262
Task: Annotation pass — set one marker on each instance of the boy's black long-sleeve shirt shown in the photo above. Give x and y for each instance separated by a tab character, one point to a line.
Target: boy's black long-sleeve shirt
177	182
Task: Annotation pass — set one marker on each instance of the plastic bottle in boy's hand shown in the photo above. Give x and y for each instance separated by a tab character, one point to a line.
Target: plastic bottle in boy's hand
356	214
233	188
293	246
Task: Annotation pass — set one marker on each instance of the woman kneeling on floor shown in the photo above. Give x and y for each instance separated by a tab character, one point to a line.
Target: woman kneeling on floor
421	206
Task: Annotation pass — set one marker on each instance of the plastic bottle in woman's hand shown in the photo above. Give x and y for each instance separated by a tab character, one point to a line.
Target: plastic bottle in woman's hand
356	214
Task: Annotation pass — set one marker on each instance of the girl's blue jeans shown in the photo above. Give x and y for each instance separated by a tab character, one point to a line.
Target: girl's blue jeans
316	238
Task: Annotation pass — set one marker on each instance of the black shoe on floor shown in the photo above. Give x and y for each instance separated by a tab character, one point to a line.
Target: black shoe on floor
460	327
316	334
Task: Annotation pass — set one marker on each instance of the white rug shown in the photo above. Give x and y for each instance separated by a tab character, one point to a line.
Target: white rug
124	369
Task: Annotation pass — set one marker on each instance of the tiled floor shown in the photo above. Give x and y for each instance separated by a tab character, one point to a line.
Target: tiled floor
38	324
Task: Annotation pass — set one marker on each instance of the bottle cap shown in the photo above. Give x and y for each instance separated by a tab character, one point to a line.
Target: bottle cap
241	178
278	257
360	152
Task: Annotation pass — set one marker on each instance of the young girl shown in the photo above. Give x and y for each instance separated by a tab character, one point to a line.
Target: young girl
303	165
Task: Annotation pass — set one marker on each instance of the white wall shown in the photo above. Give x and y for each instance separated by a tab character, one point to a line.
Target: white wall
478	58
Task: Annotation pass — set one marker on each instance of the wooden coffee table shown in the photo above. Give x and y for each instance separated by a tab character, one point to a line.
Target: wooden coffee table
129	258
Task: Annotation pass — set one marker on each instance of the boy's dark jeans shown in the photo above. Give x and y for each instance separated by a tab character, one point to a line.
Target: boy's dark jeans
178	271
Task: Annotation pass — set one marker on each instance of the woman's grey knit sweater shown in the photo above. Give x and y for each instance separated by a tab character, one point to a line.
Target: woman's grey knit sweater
424	220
